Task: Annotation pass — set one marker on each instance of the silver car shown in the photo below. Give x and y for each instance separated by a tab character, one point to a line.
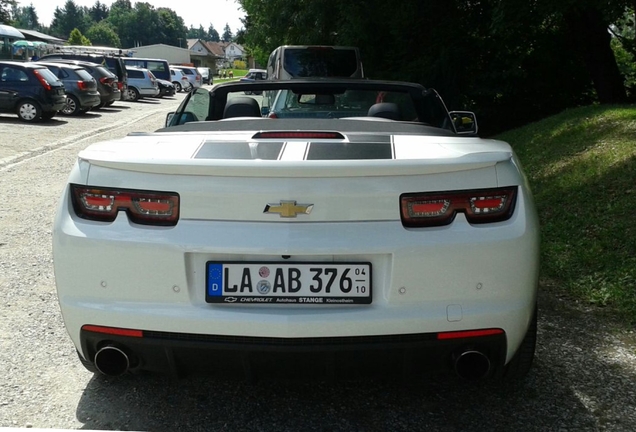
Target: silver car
141	83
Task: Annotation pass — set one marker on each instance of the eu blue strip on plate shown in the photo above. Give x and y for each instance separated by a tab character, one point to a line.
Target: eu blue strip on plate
215	280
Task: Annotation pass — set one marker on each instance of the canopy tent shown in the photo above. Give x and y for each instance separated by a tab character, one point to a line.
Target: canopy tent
10	32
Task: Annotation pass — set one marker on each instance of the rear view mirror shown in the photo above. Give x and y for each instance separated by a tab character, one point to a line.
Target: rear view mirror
465	122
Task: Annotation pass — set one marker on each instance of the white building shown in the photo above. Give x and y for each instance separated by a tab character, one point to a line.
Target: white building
173	54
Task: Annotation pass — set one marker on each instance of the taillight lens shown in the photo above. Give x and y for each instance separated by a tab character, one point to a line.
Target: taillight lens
83	85
142	207
106	80
42	80
120	85
439	208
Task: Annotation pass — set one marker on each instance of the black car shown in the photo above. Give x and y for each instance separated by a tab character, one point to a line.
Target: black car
30	90
107	82
114	64
166	88
80	86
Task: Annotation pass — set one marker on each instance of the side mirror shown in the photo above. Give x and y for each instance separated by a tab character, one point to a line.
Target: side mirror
185	117
465	122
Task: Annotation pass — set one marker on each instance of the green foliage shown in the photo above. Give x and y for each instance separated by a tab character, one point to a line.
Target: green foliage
511	61
103	34
227	34
25	17
239	64
581	165
5	10
70	17
77	38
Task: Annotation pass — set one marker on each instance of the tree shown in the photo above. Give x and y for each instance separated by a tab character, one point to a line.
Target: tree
5	10
98	12
103	34
227	34
197	33
77	38
172	28
70	17
26	17
213	35
512	61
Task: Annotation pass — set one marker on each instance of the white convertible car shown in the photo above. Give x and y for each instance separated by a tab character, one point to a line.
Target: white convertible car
361	228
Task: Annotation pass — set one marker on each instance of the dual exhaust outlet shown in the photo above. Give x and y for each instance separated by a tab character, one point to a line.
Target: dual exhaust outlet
112	361
469	364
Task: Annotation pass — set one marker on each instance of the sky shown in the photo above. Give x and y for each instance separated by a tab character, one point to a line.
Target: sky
193	12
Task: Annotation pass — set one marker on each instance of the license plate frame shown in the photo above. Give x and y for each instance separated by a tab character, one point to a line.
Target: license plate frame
221	285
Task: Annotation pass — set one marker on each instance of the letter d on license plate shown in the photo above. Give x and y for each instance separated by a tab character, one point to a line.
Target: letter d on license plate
296	283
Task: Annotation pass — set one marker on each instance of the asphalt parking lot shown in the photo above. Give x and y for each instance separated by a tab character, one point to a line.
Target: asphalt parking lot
583	377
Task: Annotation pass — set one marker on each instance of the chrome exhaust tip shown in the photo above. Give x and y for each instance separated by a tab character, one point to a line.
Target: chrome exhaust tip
472	365
112	361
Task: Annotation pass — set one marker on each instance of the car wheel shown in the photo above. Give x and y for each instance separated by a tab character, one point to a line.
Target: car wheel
29	111
519	366
48	115
133	94
87	364
177	87
72	106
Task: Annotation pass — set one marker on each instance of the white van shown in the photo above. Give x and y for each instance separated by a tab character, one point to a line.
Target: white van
305	61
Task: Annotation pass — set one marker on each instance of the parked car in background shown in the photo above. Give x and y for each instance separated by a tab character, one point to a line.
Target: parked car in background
192	74
254	75
107	84
159	67
180	80
114	64
141	83
206	74
166	88
80	86
30	90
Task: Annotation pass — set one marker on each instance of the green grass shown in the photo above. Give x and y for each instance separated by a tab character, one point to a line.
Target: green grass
581	165
238	73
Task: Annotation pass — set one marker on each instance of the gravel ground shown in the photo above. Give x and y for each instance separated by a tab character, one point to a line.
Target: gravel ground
583	379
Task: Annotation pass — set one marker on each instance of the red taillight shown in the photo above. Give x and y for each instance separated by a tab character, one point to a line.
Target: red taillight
120	85
272	115
439	208
42	80
83	85
113	331
297	135
469	334
106	81
142	207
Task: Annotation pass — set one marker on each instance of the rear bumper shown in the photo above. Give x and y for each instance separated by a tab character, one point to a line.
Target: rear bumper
89	100
388	355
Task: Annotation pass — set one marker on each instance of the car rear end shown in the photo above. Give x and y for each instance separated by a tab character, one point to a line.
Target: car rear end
87	92
227	248
51	90
107	85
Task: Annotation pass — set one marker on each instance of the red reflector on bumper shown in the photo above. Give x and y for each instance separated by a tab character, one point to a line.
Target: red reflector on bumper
113	331
468	334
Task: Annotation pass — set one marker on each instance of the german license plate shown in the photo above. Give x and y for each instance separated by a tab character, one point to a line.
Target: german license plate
295	283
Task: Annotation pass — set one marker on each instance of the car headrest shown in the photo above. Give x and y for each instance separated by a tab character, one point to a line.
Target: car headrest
385	110
241	106
325	99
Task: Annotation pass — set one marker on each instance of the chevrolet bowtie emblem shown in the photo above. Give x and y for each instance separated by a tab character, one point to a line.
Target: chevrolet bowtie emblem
288	209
